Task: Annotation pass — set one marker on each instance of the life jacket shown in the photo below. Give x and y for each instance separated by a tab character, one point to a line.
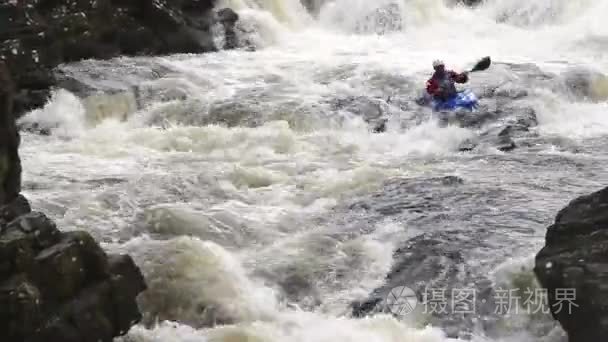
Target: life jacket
446	83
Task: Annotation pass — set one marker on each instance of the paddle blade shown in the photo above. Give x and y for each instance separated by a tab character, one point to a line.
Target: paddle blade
483	64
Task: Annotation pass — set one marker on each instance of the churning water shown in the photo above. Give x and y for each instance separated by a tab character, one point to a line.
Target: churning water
253	193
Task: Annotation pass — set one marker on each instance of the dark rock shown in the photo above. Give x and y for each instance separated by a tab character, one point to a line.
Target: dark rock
127	283
505	143
575	259
27	100
313	6
233	114
86	318
61	266
53	286
499	128
43	231
61	286
420	260
227	16
64	268
20	304
10	164
403	195
37	35
18	206
379	127
467	145
507	146
228	19
372	110
469	2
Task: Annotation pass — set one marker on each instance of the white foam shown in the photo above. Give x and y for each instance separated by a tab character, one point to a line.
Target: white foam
64	115
297	326
198	283
574	120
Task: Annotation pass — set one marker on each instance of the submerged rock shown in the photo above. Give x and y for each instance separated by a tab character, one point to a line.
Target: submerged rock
447	232
573	266
312	6
470	2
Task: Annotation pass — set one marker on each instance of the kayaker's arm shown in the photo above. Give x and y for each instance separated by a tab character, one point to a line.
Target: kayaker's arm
432	87
459	78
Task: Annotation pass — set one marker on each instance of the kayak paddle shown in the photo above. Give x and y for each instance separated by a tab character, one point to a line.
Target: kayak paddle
483	64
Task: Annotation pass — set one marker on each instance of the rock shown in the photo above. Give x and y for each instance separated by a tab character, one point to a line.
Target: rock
65	267
312	6
21	306
228	19
53	286
10	164
506	144
42	229
127	282
573	266
62	286
379	127
420	260
17	207
467	145
448	234
231	114
372	110
423	258
505	128
469	2
39	35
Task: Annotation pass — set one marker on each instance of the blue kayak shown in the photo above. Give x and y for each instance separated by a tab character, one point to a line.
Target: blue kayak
465	99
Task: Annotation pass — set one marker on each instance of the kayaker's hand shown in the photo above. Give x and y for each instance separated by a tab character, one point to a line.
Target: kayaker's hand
465	76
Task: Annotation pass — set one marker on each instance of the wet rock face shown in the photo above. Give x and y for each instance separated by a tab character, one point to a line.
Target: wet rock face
573	266
10	164
61	286
54	286
37	35
228	19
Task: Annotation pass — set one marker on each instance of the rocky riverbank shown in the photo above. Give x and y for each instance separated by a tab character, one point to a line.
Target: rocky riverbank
573	266
38	35
58	286
54	286
61	286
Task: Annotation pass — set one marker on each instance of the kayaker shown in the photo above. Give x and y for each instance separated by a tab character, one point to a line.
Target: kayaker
441	85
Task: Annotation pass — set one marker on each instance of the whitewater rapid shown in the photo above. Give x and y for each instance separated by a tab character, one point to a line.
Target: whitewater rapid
236	178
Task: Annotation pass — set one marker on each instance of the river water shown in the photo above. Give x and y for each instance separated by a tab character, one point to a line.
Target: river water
259	203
